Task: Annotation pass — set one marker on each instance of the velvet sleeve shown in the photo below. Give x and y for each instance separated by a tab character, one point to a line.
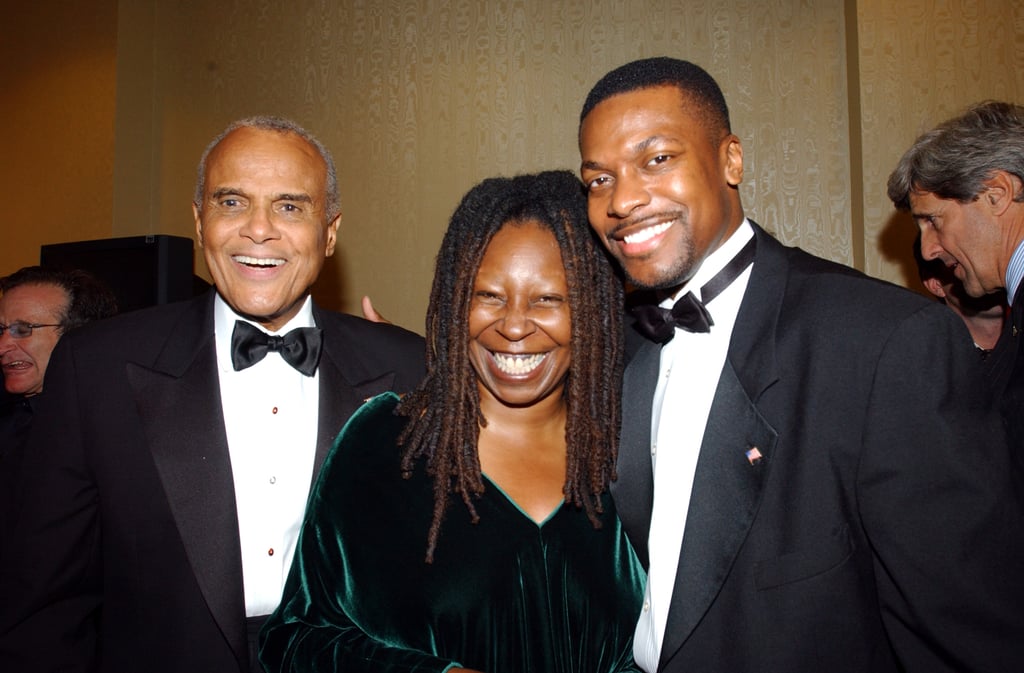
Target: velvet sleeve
312	630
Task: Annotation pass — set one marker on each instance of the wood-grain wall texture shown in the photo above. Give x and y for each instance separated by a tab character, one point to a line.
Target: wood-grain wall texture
418	100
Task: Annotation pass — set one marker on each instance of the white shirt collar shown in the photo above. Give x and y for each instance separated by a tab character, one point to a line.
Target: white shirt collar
714	262
224	318
1014	272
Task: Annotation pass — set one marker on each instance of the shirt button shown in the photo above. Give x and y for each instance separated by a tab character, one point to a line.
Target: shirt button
647	606
270	552
274	410
273	480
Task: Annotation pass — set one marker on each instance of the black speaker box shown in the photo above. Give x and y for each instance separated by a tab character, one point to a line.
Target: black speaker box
141	270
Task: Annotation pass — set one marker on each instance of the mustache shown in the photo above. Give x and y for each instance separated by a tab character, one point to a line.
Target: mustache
649	220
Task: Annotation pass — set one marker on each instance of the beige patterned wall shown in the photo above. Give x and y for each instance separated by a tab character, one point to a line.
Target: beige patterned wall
923	61
420	100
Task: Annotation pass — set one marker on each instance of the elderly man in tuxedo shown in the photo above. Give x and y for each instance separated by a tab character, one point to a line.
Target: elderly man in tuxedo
808	463
173	452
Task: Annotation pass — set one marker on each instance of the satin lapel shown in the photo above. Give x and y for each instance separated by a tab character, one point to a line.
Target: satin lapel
339	399
634	489
726	493
728	481
345	383
178	399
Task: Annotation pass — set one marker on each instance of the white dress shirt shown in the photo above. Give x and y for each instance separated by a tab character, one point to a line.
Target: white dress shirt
270	416
1014	272
691	364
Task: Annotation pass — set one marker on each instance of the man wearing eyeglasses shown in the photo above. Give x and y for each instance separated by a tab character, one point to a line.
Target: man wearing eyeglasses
37	306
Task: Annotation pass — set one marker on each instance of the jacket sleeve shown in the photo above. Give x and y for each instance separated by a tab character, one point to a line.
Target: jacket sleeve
941	502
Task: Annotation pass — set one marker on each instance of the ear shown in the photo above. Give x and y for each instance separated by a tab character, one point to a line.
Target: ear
934	285
332	235
199	224
733	160
1000	191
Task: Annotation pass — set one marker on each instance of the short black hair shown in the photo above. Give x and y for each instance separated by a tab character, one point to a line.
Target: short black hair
698	88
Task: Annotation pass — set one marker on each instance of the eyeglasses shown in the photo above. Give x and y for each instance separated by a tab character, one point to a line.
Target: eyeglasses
23	330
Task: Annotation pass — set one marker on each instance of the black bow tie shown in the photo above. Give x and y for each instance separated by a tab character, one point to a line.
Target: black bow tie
689	313
300	348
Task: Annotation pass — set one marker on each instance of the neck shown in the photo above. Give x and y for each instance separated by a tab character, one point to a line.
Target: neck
985	329
541	417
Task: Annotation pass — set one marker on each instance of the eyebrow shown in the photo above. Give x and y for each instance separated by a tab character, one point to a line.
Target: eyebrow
638	148
932	212
303	198
234	191
226	191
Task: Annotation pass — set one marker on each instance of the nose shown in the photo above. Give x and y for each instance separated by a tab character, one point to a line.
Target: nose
260	227
516	324
6	341
930	247
628	193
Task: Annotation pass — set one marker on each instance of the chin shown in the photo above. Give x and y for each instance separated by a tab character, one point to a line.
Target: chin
655	281
650	274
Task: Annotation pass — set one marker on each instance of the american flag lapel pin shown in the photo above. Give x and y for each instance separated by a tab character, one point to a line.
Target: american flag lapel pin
754	456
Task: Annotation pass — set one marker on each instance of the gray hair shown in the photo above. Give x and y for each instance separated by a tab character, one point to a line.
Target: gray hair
281	125
953	160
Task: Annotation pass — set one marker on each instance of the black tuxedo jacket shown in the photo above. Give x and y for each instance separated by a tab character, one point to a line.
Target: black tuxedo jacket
126	554
882	528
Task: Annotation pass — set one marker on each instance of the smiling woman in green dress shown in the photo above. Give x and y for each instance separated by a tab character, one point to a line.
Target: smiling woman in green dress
517	418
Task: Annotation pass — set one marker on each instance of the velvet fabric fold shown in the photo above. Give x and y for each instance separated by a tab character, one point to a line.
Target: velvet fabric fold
504	595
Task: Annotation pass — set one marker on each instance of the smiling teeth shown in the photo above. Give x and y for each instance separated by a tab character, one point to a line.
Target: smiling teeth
647	233
257	261
518	364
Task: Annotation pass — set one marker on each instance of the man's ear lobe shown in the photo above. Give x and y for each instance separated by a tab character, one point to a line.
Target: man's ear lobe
199	224
733	160
332	235
934	286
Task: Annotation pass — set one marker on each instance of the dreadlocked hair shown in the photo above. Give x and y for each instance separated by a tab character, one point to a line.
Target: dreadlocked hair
444	411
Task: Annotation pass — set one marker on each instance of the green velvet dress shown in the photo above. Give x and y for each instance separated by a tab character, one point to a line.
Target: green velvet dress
505	595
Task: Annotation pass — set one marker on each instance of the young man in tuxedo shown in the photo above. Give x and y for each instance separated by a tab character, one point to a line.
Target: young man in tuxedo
807	491
173	452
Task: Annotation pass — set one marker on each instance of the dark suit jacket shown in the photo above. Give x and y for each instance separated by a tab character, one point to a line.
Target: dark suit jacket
882	529
1006	369
15	421
126	552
